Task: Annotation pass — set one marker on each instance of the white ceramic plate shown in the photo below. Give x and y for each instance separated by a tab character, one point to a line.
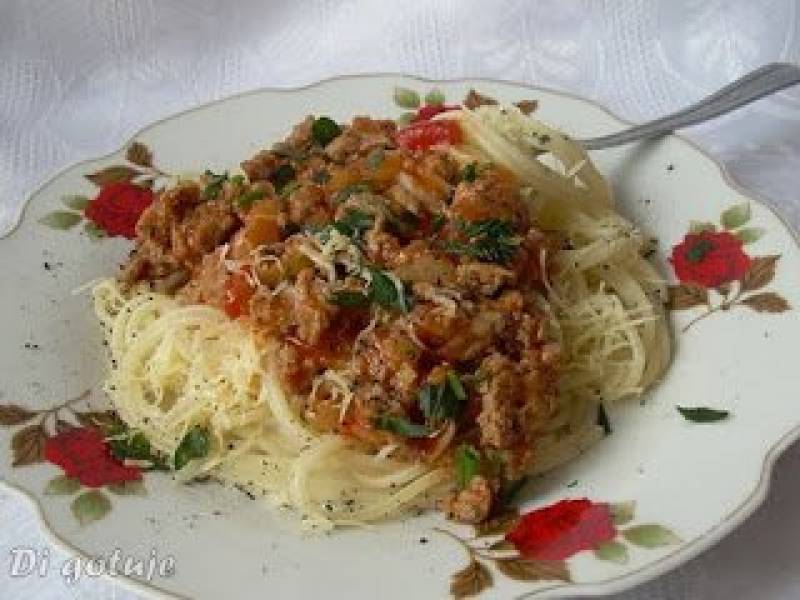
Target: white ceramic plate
691	483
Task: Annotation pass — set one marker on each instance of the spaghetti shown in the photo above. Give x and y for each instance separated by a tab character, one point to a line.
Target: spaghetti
179	362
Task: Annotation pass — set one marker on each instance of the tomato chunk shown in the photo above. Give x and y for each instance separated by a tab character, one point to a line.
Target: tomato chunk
424	134
238	291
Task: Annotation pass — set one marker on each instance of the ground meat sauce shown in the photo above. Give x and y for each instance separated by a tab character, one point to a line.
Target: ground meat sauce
456	355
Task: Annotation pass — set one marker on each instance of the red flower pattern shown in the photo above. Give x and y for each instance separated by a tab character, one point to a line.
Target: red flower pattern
117	208
429	111
710	259
563	529
84	455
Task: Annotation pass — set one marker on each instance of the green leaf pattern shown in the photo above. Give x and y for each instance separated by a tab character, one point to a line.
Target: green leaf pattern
406	98
650	535
612	551
90	506
61	486
61	219
736	216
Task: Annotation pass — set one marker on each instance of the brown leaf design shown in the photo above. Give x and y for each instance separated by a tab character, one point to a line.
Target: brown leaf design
526	107
62	426
502	544
27	445
13	414
139	154
471	580
526	569
768	302
760	273
686	295
499	523
103	419
474	99
112	174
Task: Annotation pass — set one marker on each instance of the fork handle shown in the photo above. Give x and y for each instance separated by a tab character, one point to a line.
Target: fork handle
762	82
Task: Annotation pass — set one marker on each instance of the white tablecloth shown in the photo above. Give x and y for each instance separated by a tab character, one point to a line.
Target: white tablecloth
77	78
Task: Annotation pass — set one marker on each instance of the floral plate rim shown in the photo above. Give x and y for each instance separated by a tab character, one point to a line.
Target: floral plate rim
684	552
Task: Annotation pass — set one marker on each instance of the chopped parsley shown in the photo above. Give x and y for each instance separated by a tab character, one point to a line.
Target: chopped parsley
282	176
401	426
470	172
129	444
195	444
490	240
214	185
324	130
246	200
438	222
442	401
383	292
702	414
467	464
289	188
354	223
349	299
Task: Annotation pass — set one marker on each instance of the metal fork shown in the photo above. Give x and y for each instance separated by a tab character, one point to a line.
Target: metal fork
762	82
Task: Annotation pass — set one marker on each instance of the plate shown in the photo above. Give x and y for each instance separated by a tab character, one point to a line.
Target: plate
648	497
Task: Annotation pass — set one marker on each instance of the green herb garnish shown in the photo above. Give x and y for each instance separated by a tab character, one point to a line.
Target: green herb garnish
214	185
442	401
467	464
438	223
282	176
353	223
126	443
401	426
289	188
349	298
383	291
246	200
491	240
702	414
325	130
469	173
237	180
195	444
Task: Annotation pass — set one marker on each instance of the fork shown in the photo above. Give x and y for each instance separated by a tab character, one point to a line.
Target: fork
762	82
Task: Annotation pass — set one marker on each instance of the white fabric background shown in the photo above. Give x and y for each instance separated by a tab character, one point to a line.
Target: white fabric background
77	78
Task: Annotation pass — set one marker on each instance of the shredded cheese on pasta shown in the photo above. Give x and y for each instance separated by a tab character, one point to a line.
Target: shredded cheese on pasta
177	366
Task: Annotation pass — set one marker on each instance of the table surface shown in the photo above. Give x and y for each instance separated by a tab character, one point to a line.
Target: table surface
78	78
